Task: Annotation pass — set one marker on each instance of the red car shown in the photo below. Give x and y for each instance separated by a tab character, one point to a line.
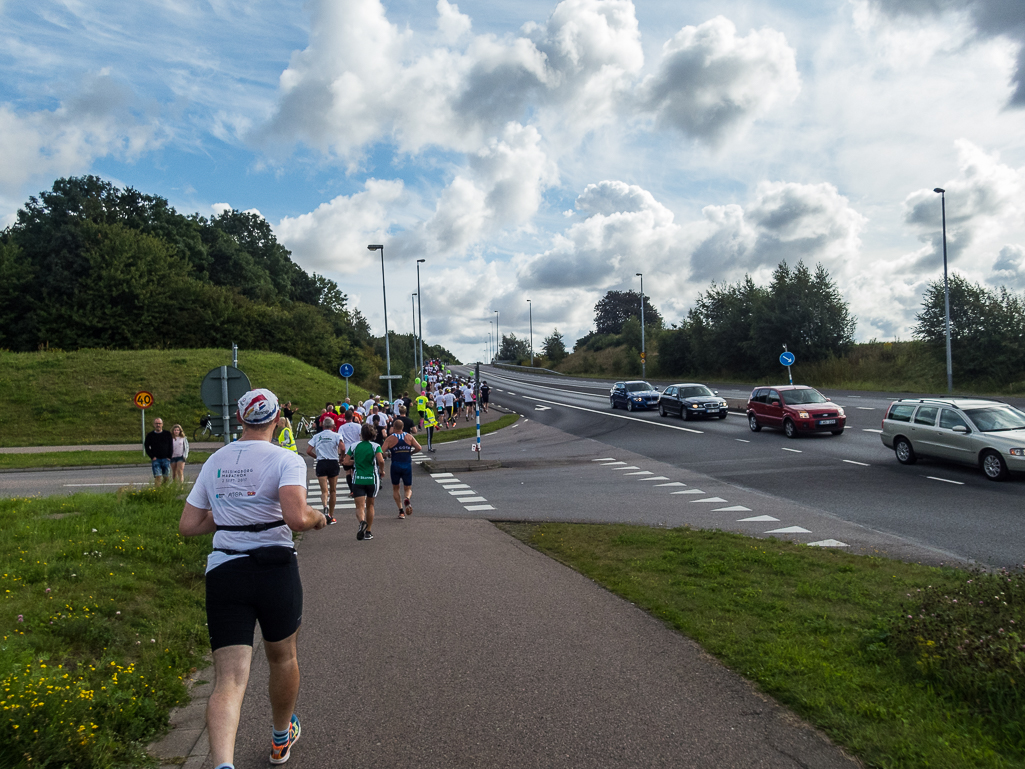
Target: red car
795	409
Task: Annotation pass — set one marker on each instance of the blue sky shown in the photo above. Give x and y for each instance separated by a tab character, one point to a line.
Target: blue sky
547	151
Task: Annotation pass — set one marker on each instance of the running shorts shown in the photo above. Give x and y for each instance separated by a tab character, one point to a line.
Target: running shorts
327	468
241	592
402	474
364	490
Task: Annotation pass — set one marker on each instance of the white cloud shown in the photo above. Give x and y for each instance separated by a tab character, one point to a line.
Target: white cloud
712	84
451	23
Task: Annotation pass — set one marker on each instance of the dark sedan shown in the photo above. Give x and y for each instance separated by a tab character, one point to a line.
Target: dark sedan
634	395
691	400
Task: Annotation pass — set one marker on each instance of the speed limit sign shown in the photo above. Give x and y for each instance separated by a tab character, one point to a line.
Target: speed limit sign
144	399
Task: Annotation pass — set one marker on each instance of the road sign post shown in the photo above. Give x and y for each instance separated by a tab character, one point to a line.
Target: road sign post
476	400
143	400
221	389
787	359
345	371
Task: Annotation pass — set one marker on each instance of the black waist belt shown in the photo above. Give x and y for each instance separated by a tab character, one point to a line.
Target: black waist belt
256	527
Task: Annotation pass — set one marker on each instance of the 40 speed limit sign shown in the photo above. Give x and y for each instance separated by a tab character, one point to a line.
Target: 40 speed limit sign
143	399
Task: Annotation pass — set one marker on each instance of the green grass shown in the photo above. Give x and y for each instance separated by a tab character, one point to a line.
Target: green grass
85	397
445	436
809	626
86	459
102	617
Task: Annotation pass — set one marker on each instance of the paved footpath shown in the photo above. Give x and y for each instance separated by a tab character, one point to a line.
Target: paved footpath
445	642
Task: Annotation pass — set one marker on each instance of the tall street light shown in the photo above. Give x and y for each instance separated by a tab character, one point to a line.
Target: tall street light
498	338
530	314
420	308
644	363
412	299
491	331
387	344
946	288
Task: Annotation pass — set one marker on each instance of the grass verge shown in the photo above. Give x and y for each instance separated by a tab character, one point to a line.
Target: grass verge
446	436
102	617
85	459
809	626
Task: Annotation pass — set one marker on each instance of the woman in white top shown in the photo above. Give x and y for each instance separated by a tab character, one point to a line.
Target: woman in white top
179	453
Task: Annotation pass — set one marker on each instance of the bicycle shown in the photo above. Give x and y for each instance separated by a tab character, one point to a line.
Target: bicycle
305	427
205	429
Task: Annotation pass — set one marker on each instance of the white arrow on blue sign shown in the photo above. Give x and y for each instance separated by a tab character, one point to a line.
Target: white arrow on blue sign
787	359
346	370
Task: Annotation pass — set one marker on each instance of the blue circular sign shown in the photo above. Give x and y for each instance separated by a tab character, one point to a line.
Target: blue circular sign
787	359
346	370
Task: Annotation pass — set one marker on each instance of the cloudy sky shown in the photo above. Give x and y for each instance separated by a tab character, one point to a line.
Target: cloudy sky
543	151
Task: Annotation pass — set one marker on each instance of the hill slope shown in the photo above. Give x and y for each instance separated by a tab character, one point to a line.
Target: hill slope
68	398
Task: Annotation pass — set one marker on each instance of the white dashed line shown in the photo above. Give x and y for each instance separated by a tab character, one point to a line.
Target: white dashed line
674	483
641	472
795	451
870	430
611	464
741	440
649	422
944	480
708	499
789	530
689	491
759	519
734	509
655	478
629	467
605	459
859	464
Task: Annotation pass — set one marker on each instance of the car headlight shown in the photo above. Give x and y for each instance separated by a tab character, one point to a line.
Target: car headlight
804	415
840	411
1017	452
638	399
694	406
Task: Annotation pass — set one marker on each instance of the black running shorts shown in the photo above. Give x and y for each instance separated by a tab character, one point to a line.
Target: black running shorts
241	593
327	468
364	490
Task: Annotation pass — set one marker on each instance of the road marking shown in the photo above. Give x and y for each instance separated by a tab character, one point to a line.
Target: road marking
456	486
828	543
650	422
741	440
870	430
796	451
674	483
640	472
789	530
759	519
441	475
629	467
708	499
539	407
859	464
605	459
478	507
612	464
510	392
462	493
689	491
464	500
655	478
945	480
734	509
866	408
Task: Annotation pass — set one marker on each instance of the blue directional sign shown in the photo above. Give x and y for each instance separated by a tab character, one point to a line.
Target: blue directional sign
346	370
787	359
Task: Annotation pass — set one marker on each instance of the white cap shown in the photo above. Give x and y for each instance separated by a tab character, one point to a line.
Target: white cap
257	407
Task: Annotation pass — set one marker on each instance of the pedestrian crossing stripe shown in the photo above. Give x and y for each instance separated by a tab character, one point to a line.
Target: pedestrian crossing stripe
655	478
689	491
708	499
759	519
464	500
734	509
479	507
605	459
674	483
789	530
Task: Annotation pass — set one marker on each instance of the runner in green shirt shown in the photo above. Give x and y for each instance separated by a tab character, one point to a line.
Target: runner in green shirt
367	461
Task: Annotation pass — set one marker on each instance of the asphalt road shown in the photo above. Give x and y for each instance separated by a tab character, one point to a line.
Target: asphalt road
854	477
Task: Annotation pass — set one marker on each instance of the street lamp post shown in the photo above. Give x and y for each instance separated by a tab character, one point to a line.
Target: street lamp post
644	363
412	299
387	343
498	338
946	288
420	308
491	338
530	315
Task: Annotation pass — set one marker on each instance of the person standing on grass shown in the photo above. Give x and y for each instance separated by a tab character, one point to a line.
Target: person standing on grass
179	453
159	446
402	446
251	495
366	460
327	448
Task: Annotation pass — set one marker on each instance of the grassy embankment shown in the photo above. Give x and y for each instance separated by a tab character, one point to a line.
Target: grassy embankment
831	635
457	434
85	397
881	366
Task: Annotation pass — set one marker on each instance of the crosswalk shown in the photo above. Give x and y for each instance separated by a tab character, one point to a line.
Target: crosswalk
469	498
636	474
316	501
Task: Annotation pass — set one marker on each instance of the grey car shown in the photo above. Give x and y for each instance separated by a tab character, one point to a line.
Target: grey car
986	434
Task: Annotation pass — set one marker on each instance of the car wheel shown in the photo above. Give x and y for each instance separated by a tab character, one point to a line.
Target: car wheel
993	466
905	454
722	415
753	423
629	405
612	403
837	432
789	428
661	410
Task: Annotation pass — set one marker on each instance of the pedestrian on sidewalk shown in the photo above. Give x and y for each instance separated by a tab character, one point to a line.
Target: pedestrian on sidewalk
327	448
402	446
251	495
159	446
179	453
367	461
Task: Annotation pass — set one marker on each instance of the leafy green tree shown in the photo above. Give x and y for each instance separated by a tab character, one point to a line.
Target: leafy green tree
616	307
719	325
674	352
17	326
554	348
513	348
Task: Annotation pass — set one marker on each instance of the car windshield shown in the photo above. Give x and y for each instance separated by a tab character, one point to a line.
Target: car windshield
793	397
696	391
994	419
637	387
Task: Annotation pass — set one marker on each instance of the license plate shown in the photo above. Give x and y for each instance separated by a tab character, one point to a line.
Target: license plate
827	421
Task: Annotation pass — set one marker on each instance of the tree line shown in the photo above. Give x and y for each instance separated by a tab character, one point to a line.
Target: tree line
88	264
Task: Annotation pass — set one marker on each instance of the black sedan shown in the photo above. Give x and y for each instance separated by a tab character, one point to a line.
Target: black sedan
691	400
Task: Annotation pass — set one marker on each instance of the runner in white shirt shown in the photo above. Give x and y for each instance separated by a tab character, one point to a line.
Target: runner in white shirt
468	400
327	447
251	495
448	402
350	437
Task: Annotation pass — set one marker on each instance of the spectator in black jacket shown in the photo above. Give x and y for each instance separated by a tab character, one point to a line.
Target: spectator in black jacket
159	447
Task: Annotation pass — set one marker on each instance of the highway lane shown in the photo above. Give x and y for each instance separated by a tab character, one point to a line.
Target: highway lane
852	476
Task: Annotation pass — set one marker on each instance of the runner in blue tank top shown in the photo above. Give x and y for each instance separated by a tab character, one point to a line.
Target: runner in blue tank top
402	446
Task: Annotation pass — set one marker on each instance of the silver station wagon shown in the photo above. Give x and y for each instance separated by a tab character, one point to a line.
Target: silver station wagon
987	434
